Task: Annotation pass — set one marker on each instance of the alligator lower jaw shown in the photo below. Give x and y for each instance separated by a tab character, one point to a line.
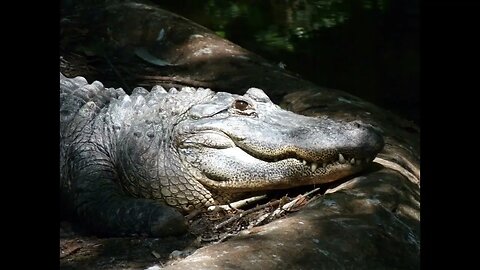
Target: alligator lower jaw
328	174
234	170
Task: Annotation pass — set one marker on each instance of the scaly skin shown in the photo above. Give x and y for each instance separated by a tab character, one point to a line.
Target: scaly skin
134	164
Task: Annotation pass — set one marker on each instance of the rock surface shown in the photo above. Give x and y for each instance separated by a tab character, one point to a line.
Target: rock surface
369	222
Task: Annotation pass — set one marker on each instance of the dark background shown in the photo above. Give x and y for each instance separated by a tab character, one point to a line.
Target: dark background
369	48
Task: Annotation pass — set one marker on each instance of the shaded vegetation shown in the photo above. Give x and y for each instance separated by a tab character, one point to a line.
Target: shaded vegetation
369	48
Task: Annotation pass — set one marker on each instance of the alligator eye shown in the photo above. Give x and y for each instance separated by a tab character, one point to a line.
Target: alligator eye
241	105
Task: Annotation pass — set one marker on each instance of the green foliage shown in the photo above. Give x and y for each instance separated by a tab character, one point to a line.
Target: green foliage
279	25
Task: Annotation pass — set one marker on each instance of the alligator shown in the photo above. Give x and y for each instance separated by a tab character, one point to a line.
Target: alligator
135	164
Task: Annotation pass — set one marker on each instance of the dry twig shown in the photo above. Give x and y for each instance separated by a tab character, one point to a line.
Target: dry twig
244	213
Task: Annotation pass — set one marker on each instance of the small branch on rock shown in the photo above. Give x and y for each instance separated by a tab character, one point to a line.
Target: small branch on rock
244	213
298	201
237	204
218	238
225	237
311	192
259	220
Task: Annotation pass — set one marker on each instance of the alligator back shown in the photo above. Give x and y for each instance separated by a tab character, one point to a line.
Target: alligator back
76	93
89	114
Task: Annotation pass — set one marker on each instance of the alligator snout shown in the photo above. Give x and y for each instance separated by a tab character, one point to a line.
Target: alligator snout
368	137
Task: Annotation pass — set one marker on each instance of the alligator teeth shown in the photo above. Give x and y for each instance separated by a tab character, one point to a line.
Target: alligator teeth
314	166
341	159
324	164
352	161
304	162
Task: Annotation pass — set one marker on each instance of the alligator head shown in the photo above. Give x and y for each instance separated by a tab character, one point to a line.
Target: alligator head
240	143
216	144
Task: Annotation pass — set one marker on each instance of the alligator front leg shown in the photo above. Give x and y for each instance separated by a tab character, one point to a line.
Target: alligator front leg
107	211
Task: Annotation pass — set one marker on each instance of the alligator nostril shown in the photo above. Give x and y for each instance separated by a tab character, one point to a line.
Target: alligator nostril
358	124
367	127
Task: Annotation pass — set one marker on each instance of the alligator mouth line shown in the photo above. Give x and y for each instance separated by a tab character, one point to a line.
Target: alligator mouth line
341	159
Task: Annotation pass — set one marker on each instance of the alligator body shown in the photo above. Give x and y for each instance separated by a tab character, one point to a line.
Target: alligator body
135	163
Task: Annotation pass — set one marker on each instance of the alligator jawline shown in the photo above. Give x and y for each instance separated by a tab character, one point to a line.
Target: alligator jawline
313	165
341	159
